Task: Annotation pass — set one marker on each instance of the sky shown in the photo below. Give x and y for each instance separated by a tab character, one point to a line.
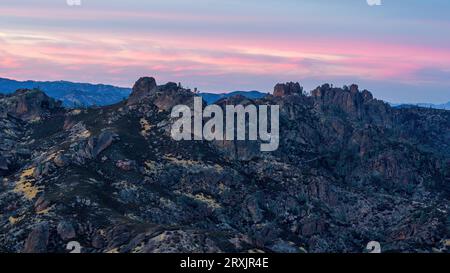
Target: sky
400	50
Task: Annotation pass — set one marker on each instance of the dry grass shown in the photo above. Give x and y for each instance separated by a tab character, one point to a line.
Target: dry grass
25	185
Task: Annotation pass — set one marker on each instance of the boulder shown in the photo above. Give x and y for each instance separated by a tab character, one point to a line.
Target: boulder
61	160
96	145
37	240
65	230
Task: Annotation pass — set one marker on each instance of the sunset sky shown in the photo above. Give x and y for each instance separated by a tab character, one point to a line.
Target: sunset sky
400	50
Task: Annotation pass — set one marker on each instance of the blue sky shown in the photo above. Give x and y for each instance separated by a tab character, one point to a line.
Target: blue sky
399	50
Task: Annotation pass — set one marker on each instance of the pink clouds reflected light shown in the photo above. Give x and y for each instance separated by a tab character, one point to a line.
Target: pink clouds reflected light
86	52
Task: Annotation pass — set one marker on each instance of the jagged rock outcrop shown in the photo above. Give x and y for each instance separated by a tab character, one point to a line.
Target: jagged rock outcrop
170	95
286	89
356	104
143	88
349	170
164	96
12	146
28	104
237	149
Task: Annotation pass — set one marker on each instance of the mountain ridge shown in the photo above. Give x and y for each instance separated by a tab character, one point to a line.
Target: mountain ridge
349	169
78	94
211	98
72	94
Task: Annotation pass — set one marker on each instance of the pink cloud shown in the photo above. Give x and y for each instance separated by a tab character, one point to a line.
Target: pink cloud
70	56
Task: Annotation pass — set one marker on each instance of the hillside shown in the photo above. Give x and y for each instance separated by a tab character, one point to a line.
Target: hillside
350	169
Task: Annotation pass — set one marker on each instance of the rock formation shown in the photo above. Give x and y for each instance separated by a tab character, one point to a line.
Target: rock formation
286	89
349	170
143	88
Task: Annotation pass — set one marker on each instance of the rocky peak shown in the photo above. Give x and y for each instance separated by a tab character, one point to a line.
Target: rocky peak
172	94
144	87
286	89
354	88
347	95
115	179
365	94
162	96
28	104
356	103
350	99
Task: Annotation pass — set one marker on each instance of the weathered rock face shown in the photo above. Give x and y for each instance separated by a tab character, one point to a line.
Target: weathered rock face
12	146
143	88
164	96
104	141
90	149
356	104
170	95
28	104
349	170
286	89
37	239
238	149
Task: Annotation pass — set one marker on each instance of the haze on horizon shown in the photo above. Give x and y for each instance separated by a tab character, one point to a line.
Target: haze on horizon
400	50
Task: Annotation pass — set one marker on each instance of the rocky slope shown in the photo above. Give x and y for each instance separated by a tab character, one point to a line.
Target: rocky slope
349	170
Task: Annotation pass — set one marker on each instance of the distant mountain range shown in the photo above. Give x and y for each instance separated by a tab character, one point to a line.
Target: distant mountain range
85	94
70	93
211	97
349	169
444	106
